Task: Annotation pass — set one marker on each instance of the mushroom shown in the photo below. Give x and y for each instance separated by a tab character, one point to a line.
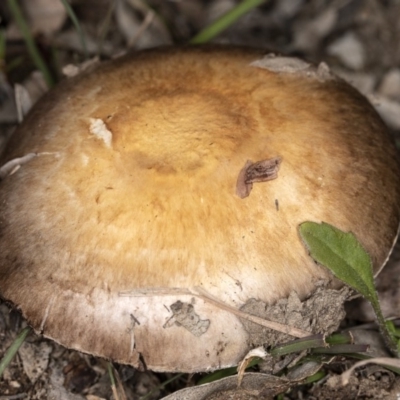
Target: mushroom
163	198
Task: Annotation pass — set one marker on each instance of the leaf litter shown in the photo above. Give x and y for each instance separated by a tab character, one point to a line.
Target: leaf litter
310	29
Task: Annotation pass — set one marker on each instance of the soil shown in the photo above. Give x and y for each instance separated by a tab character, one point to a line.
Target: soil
358	39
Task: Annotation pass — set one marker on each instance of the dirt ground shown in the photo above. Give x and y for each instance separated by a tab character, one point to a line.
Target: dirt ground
358	39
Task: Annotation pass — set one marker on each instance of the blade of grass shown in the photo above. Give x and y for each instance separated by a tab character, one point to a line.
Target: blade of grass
161	386
112	380
2	45
77	25
339	338
30	43
299	345
216	375
105	27
316	377
225	21
12	350
14	63
2	51
341	349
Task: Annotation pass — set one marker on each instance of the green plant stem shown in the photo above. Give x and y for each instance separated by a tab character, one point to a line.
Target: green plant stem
316	377
2	45
217	375
105	26
341	349
298	345
30	43
225	21
339	338
345	257
12	350
110	373
112	380
388	336
77	25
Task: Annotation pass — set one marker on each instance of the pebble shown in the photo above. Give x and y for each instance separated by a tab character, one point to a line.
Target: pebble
308	34
349	50
362	81
388	109
390	85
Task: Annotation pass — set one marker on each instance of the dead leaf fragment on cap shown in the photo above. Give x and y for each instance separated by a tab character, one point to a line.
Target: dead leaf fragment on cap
260	171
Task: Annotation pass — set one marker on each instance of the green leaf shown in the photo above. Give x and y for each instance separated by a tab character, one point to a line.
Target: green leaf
342	254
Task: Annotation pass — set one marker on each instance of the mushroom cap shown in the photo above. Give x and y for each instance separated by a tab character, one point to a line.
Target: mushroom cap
133	201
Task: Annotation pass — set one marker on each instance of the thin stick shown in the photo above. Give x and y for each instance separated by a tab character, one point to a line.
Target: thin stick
207	297
289	330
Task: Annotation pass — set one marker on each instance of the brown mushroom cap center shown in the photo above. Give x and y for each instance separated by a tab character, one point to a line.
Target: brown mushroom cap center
178	133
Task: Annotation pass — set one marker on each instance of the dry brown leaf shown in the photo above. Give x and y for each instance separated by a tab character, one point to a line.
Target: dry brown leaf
391	362
258	352
35	359
254	385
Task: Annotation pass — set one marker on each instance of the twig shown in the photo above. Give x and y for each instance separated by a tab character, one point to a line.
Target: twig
289	330
207	297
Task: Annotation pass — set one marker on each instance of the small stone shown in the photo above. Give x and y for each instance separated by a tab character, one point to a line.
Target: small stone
35	359
363	82
349	50
388	109
390	85
288	8
308	34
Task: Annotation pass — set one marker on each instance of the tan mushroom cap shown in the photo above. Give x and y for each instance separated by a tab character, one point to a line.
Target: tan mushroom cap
131	203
